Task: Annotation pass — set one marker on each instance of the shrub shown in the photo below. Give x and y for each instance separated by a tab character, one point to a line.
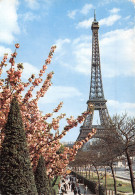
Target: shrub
41	178
16	172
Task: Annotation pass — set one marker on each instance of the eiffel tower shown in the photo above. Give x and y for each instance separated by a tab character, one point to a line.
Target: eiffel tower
96	96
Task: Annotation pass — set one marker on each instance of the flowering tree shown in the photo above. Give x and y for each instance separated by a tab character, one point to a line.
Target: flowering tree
39	134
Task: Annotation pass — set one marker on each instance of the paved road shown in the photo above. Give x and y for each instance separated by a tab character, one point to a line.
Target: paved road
120	172
123	174
81	186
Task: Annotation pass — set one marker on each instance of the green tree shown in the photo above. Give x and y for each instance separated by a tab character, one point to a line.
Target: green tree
41	178
16	172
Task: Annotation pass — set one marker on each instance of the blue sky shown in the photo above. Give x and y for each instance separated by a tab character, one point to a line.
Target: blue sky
39	24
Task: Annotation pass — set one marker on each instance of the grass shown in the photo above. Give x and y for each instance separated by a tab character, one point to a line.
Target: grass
124	188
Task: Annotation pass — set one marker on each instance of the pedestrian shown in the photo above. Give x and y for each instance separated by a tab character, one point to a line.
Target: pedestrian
65	186
72	186
85	190
75	191
59	185
79	191
62	191
69	183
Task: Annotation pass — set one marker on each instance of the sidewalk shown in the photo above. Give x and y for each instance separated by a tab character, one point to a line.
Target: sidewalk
81	186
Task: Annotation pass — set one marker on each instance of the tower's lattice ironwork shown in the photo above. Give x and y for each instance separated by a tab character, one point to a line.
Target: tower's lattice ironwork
96	96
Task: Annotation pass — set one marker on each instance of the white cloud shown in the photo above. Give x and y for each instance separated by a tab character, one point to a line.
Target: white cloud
86	8
116	107
33	4
28	70
29	16
82	53
60	52
128	17
25	18
79	55
60	43
8	20
104	2
59	93
4	50
85	24
114	10
117	53
72	14
133	1
110	20
36	4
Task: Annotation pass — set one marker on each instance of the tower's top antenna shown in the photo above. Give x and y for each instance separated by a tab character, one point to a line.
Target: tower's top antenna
94	15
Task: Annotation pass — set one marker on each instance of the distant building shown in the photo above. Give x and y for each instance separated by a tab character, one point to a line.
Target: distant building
68	143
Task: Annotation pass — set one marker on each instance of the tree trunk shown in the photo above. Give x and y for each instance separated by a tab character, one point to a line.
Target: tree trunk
131	171
89	174
105	183
98	180
86	171
114	179
75	173
98	175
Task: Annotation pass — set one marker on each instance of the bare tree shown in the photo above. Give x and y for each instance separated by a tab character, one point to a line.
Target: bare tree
125	127
106	151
